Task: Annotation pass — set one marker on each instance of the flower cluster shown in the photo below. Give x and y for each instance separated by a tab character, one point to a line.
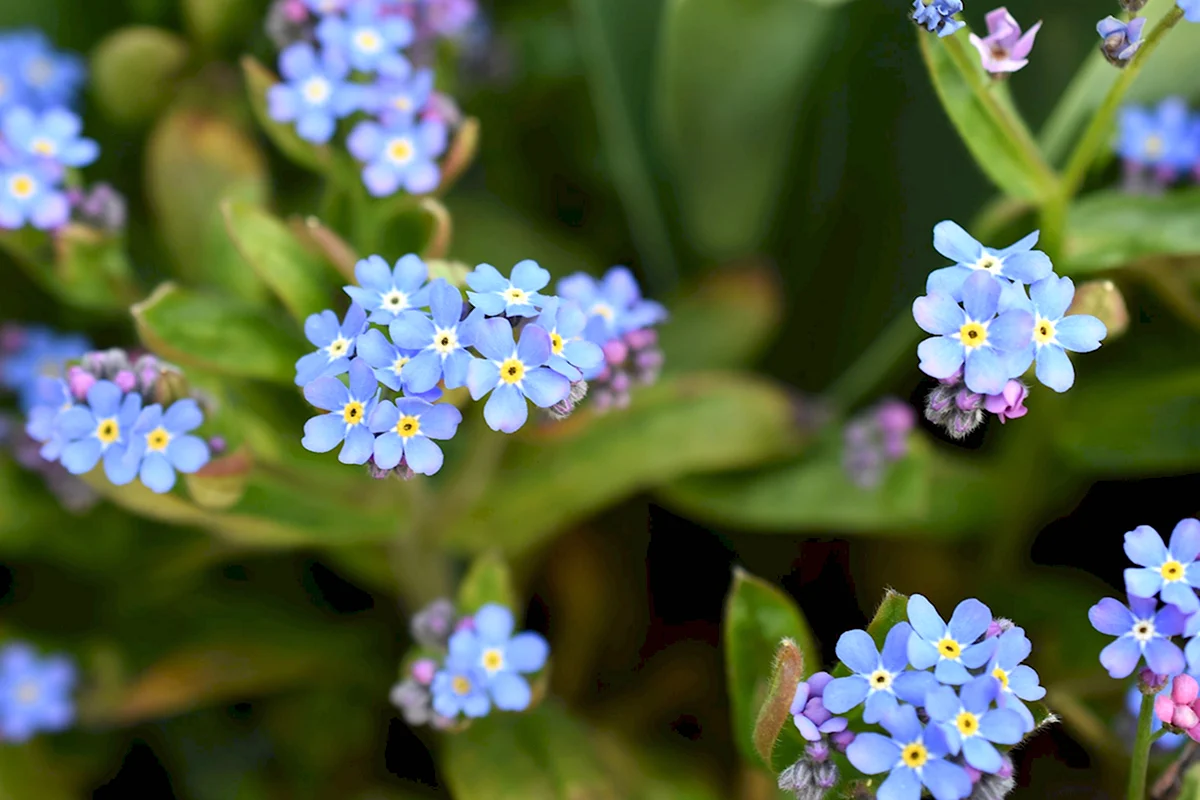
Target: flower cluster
945	694
354	58
509	343
480	664
123	412
937	16
1178	705
1122	39
39	133
875	439
35	693
1162	144
987	330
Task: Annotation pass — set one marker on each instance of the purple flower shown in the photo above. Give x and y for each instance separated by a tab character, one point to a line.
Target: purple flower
879	678
512	373
335	343
1140	632
938	15
401	153
408	427
1121	40
951	647
1167	572
1004	49
315	93
349	411
1009	403
809	713
913	756
971	725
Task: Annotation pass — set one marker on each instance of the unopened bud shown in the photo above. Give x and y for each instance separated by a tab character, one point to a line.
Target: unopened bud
423	671
433	624
1103	300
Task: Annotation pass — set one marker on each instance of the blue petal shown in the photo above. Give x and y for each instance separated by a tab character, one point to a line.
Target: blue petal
981	295
1013	648
938	314
482	377
1023	682
956	244
1193	655
951	672
389	449
913	686
183	416
80	457
1111	617
1143	581
1185	540
423	456
857	650
942	704
947	281
1080	333
902	784
494	624
157	474
903	724
946	781
529	276
1145	547
1052	297
986	371
1028	267
924	618
75	423
807	728
327	393
119	469
979	693
545	387
423	372
977	655
1054	368
188	453
510	692
970	620
311	367
1121	657
494	339
363	384
104	398
506	410
1002	726
490	304
360	444
527	652
879	704
323	433
487	279
583	354
843	694
1012	330
440	421
374	348
872	753
454	368
412	330
534	346
1164	657
940	356
1023	245
981	755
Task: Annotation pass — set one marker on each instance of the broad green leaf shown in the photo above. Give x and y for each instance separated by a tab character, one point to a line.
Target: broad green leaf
539	755
300	278
259	80
1111	229
92	269
986	122
135	71
775	712
758	617
218	334
553	475
729	157
488	581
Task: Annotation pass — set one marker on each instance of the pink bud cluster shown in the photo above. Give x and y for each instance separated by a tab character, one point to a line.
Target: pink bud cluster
1180	708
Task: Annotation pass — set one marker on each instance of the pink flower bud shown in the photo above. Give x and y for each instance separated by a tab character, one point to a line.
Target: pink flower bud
615	352
973	774
1185	718
125	380
843	739
1184	691
1194	733
1164	709
79	381
641	339
423	671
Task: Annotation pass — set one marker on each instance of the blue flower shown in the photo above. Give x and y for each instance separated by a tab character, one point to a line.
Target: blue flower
1017	262
51	138
368	40
162	444
1054	333
440	342
36	74
408	427
495	294
35	693
614	304
335	343
1191	9
460	687
502	657
1171	573
988	343
1140	632
1121	40
350	409
1164	138
388	292
971	725
29	193
53	398
1017	681
101	428
42	352
513	372
913	756
316	93
952	648
938	15
385	358
571	355
879	679
393	100
402	153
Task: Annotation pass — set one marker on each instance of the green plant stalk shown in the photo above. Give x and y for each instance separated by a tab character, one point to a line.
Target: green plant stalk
1141	750
421	568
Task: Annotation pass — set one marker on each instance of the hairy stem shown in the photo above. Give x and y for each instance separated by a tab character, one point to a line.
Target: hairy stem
1141	750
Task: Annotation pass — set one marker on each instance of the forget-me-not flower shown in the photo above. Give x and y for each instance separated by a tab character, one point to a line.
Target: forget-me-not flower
938	15
516	297
502	657
390	99
37	74
387	292
315	93
42	352
460	686
402	153
1122	40
52	138
53	398
571	355
407	429
1141	632
29	194
614	304
976	335
385	358
335	343
1004	49
1018	682
1171	573
971	725
879	678
951	648
349	410
913	756
368	40
1054	333
513	372
35	693
163	444
102	427
1017	262
1164	138
440	343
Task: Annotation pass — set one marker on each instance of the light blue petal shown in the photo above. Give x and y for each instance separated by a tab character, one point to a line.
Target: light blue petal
315	126
1023	682
482	377
119	469
1164	657
946	781
1054	368
942	704
423	456
327	393
1120	657
545	387
529	276
1143	581
1027	267
1002	726
440	421
843	694
986	371
981	755
940	356
1111	617
894	655
872	753
359	446
970	620
188	453
80	457
857	650
1193	655
913	686
454	368
879	704
1052	296
490	304
104	397
979	693
938	314
956	244
1022	245
75	423
951	672
323	433
486	279
422	373
506	410
389	449
510	692
534	346
1011	331
902	784
981	295
947	281
583	354
183	416
445	302
412	330
977	655
494	624
1080	333
903	724
157	474
925	620
494	339
527	652
1145	547
363	384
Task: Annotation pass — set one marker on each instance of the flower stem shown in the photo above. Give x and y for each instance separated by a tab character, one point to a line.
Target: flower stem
1141	750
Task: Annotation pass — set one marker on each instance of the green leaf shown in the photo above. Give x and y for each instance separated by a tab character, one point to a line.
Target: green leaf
92	269
488	581
259	80
892	610
135	71
1111	229
217	334
299	277
986	122
593	460
775	713
758	617
729	158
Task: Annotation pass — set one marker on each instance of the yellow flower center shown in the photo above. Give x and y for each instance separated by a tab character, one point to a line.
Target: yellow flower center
402	103
512	370
338	347
556	343
603	310
395	300
973	335
967	723
493	660
460	685
1143	631
401	150
514	296
22	186
108	431
989	263
880	679
368	41
1001	675
43	147
914	755
445	341
1172	571
28	693
949	648
352	413
316	91
1154	146
1043	331
399	363
157	440
408	427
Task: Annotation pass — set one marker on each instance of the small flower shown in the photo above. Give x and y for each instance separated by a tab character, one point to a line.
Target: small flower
440	342
1054	333
51	138
502	657
512	373
976	335
387	292
43	76
971	725
938	15
809	713
402	153
1004	49
335	343
1009	403
162	445
461	687
516	297
29	194
349	411
1191	9
913	756
36	351
1140	632
101	428
1164	138
570	354
393	100
879	678
614	304
315	93
387	360
1017	681
408	427
952	648
1167	572
369	41
53	398
1018	262
35	694
1121	40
